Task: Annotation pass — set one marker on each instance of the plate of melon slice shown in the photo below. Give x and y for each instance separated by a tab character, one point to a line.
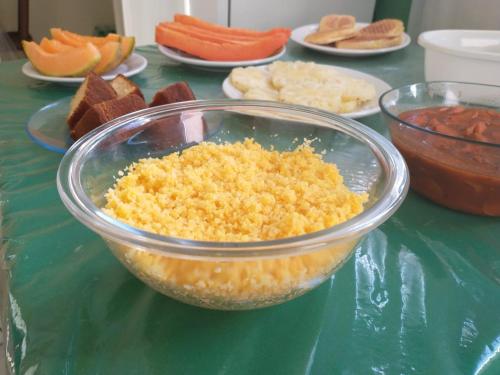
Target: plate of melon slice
68	57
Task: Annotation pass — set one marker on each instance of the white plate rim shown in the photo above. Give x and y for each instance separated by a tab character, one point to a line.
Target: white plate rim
299	33
140	61
172	54
380	86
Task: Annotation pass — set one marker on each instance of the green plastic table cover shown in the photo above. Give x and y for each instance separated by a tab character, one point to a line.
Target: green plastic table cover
420	295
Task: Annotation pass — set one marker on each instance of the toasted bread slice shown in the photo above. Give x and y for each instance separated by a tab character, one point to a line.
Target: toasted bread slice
93	90
360	42
177	92
387	28
336	22
108	110
332	28
124	86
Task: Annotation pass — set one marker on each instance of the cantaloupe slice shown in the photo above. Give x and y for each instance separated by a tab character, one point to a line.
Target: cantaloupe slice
63	37
73	62
127	44
54	46
111	57
97	40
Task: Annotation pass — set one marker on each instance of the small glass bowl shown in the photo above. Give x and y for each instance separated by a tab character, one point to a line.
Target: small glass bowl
232	275
458	173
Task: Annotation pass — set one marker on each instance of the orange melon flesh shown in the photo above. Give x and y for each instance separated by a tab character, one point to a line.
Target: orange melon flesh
97	40
127	44
73	62
110	57
53	46
63	37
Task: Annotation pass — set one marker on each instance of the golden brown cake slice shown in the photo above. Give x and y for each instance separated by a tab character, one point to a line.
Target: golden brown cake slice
124	86
332	28
108	110
93	90
177	92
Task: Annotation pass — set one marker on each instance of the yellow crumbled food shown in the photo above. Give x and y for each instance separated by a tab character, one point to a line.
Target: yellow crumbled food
233	192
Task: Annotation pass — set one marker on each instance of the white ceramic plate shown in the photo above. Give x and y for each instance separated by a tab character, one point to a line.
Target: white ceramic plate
133	65
368	109
197	62
299	34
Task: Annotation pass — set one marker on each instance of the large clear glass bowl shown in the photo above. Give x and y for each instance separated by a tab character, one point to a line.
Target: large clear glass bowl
458	173
238	275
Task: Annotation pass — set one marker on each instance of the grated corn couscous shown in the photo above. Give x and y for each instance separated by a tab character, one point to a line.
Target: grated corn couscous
233	192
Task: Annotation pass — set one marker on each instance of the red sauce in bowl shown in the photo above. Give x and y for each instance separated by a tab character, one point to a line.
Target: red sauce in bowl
457	171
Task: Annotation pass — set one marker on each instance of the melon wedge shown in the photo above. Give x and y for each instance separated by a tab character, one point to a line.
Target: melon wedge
54	46
127	44
63	37
97	40
111	57
73	62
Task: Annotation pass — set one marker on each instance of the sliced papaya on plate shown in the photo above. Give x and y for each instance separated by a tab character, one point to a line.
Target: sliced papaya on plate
74	62
212	51
190	20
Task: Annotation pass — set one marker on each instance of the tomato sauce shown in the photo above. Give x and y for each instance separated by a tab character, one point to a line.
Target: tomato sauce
455	172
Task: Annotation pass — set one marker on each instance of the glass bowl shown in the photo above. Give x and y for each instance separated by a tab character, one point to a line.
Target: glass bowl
455	172
232	275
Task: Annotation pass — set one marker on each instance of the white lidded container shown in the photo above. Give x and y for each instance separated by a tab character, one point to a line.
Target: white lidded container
462	55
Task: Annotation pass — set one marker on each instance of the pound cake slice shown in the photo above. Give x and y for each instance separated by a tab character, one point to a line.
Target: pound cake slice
108	110
124	86
93	90
177	92
332	28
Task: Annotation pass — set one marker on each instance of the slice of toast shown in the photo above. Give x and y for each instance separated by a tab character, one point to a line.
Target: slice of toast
387	28
360	42
332	28
381	34
108	110
93	90
124	86
177	92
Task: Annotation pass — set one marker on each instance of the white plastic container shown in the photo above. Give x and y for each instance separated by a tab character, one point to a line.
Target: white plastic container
462	55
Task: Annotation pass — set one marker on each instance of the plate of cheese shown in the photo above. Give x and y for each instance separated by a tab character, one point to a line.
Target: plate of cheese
347	92
342	35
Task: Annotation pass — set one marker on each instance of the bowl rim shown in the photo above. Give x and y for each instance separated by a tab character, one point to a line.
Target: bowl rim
426	40
388	113
81	207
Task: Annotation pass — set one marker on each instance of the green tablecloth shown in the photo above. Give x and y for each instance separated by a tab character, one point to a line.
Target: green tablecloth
420	295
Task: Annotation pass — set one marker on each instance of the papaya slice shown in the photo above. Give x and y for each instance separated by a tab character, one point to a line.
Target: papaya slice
111	57
53	46
127	44
205	34
190	20
73	62
258	49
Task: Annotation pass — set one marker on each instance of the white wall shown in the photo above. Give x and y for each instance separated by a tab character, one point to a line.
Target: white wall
454	14
263	14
